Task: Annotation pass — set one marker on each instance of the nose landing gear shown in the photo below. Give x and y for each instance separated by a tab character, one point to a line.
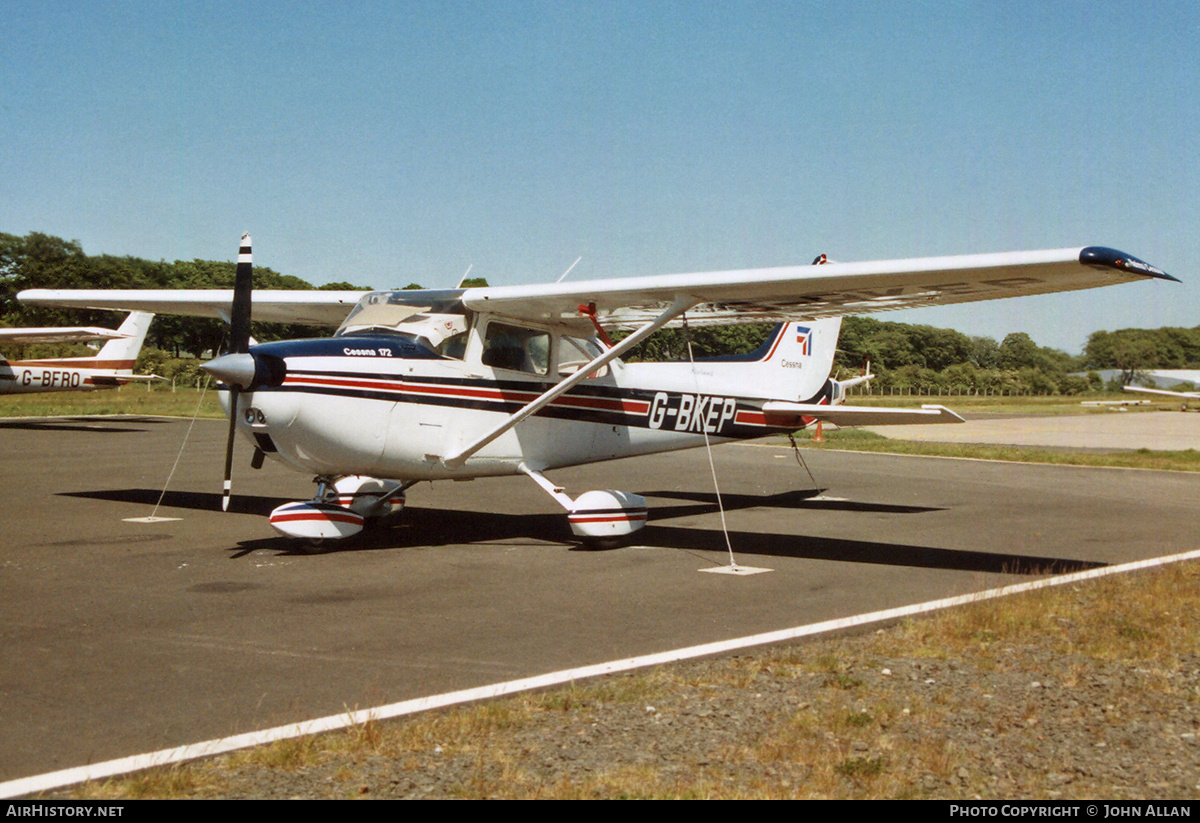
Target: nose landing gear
340	508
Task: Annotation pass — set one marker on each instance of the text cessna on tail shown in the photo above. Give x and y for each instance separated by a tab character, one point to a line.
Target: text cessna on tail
462	383
109	368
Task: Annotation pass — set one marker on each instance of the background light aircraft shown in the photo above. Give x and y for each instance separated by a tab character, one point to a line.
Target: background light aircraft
1168	377
1192	395
464	383
111	367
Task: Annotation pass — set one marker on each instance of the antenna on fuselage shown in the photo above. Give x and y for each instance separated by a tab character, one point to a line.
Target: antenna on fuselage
463	279
568	271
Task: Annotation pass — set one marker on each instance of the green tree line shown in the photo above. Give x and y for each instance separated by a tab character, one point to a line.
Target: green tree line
905	357
916	358
41	261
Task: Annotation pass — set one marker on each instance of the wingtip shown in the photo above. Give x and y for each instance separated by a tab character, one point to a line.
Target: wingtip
1104	257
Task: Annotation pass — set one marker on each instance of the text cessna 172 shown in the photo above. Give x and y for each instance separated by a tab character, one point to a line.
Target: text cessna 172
111	367
463	383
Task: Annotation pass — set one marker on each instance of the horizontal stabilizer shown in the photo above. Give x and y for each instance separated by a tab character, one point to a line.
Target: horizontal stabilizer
122	379
863	415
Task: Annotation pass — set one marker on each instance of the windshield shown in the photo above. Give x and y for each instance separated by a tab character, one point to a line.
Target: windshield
388	310
433	319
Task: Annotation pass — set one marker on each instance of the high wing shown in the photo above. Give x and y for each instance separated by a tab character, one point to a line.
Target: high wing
65	334
813	292
313	308
741	296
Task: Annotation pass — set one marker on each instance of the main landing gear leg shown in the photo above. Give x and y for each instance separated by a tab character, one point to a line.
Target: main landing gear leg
600	519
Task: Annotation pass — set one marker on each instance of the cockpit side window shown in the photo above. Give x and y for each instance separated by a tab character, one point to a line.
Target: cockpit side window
454	347
516	348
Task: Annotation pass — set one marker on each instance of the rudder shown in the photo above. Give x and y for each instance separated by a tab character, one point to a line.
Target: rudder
799	359
122	353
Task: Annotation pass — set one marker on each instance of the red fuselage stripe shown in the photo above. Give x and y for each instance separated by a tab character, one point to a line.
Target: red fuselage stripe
610	518
324	516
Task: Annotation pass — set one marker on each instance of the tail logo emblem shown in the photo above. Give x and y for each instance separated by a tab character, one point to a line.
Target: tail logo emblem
803	338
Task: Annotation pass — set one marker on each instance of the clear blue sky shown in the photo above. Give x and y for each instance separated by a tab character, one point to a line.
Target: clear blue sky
385	143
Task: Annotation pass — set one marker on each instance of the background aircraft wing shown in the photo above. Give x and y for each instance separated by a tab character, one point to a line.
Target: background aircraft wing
313	308
65	334
812	292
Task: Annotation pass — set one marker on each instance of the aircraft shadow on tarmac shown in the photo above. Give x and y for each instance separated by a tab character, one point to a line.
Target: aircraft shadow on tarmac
126	425
196	501
425	527
808	499
826	548
419	528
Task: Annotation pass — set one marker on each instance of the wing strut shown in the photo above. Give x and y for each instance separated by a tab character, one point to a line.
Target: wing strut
680	305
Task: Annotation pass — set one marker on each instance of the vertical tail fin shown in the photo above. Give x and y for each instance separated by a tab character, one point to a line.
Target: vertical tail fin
799	359
793	364
122	353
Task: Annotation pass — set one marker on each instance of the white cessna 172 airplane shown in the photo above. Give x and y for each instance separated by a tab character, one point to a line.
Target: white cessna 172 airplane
463	383
111	367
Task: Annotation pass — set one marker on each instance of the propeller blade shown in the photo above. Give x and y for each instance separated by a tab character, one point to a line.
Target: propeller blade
239	343
239	315
228	488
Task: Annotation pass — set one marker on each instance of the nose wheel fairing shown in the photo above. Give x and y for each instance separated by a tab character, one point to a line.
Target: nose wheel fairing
340	509
607	515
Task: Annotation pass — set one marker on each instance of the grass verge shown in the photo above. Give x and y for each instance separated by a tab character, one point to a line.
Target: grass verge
861	440
1079	691
132	399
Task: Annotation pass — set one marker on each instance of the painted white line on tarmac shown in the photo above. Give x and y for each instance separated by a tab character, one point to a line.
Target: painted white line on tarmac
164	757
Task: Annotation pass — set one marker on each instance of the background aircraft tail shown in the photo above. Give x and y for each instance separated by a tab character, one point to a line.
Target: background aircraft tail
122	353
